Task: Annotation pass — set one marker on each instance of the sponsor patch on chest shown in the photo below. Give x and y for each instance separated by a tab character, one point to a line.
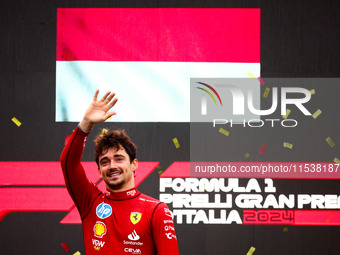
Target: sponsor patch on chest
103	210
135	217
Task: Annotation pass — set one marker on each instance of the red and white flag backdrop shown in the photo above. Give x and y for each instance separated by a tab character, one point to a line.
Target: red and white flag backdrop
148	55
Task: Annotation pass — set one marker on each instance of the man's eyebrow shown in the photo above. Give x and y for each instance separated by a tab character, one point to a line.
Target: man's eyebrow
102	159
115	156
119	155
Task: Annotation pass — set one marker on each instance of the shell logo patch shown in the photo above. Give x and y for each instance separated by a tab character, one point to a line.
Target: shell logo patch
135	217
99	229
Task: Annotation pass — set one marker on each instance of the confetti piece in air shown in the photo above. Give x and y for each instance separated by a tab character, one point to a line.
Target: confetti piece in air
110	118
261	81
77	253
266	92
288	111
247	155
159	169
16	121
317	113
285	229
66	139
263	149
251	250
336	160
223	131
65	247
312	92
176	142
288	145
330	142
104	131
251	76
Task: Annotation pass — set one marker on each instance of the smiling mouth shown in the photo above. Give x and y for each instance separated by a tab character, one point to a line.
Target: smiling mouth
114	173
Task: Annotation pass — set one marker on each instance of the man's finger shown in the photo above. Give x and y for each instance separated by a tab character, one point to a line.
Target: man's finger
110	114
109	98
96	95
113	102
105	96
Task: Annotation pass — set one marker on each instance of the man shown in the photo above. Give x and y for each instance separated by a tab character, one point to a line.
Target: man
122	220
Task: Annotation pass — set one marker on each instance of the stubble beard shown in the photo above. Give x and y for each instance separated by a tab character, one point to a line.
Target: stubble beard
116	184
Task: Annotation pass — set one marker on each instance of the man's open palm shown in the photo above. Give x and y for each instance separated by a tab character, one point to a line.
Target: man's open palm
98	110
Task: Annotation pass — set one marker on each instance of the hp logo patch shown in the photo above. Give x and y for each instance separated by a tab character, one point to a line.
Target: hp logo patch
103	210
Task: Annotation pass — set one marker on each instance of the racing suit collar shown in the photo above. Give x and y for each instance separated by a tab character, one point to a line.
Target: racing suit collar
127	194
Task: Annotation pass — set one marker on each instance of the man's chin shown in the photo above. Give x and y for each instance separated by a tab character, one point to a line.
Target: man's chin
114	185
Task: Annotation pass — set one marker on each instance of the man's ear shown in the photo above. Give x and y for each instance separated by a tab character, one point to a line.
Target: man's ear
134	166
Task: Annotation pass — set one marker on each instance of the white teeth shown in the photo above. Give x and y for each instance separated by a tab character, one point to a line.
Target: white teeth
113	174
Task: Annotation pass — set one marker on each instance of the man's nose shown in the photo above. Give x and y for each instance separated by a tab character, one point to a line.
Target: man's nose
113	164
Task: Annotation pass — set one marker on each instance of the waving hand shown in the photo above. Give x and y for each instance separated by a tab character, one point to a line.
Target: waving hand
98	110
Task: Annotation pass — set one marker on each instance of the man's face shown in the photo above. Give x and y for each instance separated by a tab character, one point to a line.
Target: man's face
116	169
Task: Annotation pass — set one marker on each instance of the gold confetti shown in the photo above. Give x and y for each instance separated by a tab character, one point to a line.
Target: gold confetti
288	111
251	250
77	253
159	169
312	92
288	145
251	76
110	118
223	131
330	142
285	229
266	92
176	142
16	121
247	155
317	113
104	131
336	160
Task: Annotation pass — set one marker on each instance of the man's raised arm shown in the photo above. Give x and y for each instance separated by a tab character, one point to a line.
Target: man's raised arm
76	181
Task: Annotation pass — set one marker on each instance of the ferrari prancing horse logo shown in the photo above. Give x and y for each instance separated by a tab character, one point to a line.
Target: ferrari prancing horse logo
135	217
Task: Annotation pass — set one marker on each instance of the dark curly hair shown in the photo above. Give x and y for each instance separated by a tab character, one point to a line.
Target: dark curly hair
114	139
